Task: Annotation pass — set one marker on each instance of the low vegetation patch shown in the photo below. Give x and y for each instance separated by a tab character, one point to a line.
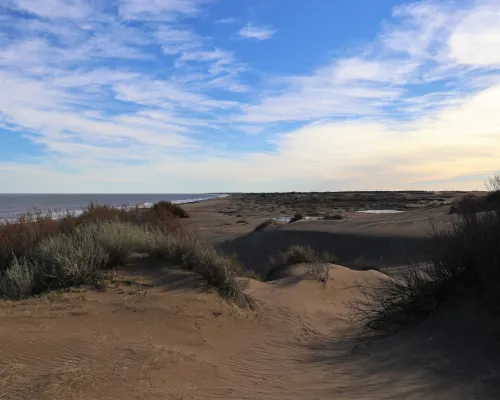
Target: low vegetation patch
464	261
18	238
55	258
167	207
264	224
297	254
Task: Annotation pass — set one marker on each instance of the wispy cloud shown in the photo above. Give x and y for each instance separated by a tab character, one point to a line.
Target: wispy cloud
250	31
425	42
53	9
64	100
158	10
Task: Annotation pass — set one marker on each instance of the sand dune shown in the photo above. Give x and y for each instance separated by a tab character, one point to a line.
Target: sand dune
157	333
139	341
379	241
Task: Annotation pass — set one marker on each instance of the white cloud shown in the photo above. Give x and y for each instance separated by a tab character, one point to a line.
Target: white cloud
320	95
359	69
53	9
463	139
250	31
158	10
426	42
476	39
176	40
166	95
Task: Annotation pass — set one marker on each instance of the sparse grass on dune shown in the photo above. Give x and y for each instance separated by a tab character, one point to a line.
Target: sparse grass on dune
51	259
218	270
464	261
264	224
297	254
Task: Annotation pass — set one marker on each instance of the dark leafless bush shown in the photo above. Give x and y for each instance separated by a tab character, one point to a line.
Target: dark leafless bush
464	259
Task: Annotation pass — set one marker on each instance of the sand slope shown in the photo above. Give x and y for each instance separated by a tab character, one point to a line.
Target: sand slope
380	241
159	335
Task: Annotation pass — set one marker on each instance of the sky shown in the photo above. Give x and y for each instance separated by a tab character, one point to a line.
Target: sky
192	96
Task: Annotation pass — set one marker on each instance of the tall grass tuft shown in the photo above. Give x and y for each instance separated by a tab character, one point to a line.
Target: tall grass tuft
67	260
218	270
18	280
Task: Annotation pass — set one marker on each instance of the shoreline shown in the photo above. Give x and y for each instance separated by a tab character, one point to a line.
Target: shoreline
58	213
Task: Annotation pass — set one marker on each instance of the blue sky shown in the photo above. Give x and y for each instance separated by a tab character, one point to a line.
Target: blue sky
248	95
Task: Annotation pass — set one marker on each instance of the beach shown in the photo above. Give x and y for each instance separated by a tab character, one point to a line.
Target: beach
157	332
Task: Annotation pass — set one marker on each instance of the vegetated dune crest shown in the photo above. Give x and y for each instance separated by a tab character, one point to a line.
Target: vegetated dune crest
157	333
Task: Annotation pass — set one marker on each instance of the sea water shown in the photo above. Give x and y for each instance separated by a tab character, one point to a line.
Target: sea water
13	205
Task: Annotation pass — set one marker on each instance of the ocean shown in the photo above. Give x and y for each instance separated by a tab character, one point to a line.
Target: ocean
13	205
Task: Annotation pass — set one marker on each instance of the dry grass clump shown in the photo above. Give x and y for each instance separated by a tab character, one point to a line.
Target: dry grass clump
320	272
465	260
297	254
264	224
218	270
168	207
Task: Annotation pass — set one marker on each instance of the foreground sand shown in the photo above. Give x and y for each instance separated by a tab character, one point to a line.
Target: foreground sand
160	336
156	333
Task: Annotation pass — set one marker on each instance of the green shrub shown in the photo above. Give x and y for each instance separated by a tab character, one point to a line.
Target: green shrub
18	280
67	260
